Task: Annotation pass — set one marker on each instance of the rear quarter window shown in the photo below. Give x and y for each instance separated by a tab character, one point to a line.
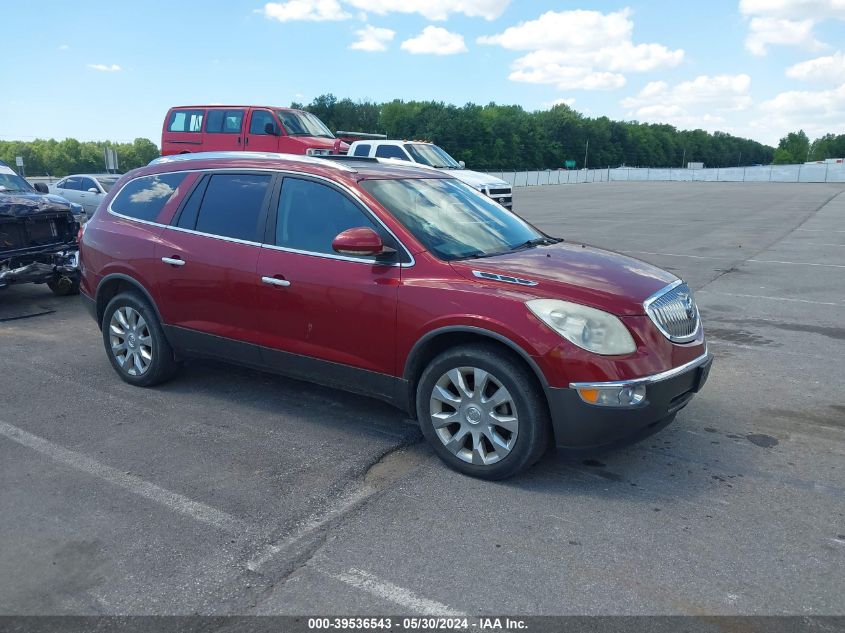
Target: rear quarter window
145	197
185	121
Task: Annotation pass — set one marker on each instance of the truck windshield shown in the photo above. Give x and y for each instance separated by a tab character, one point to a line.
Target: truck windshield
431	155
452	220
10	181
303	124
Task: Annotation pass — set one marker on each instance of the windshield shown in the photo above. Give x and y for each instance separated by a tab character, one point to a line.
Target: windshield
107	183
303	124
431	155
452	220
10	181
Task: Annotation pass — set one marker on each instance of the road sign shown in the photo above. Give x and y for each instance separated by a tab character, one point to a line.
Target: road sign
570	164
111	159
19	161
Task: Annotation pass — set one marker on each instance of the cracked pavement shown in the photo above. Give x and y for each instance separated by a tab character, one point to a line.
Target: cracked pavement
231	491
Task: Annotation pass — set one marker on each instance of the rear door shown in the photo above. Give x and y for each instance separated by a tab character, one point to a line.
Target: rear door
69	189
318	304
183	132
263	132
224	129
207	260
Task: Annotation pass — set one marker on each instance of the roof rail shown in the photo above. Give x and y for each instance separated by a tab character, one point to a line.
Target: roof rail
311	160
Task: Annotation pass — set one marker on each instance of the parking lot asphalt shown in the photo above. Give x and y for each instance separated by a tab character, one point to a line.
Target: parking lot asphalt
232	491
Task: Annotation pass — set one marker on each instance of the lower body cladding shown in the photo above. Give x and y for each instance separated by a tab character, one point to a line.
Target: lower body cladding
48	266
648	405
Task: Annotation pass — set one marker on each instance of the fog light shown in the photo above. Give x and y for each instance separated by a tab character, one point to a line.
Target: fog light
626	396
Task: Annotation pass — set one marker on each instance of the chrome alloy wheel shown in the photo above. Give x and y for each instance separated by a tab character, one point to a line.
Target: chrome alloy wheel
130	340
474	415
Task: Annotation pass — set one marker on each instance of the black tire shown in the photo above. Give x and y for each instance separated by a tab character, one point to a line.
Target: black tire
163	364
64	286
534	427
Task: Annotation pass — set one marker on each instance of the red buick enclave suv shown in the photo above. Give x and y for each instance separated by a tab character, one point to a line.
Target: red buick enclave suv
395	282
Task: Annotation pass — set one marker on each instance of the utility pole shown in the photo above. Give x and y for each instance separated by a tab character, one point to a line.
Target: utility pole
739	162
586	153
684	159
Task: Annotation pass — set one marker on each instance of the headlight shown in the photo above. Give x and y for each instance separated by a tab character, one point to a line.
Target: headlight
315	151
593	330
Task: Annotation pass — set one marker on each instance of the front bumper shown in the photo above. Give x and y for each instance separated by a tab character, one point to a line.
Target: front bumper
39	267
579	425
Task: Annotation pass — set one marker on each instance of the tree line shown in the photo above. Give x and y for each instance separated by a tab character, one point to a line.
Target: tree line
494	136
796	147
60	158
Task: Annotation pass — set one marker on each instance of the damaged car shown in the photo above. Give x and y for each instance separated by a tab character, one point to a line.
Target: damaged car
38	236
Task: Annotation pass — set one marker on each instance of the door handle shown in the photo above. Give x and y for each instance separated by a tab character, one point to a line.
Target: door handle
273	281
173	261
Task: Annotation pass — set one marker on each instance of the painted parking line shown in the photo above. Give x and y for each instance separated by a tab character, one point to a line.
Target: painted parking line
841	304
179	503
675	255
405	598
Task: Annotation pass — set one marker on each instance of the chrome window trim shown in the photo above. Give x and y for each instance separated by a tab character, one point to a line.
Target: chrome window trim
297	158
646	380
283	172
675	339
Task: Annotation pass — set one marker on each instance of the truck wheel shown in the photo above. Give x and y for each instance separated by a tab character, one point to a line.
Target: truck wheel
482	412
135	342
64	286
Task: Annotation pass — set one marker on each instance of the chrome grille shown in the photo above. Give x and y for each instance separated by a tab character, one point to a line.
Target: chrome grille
674	312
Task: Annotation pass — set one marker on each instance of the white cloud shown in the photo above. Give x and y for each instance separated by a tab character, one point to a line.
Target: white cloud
372	39
829	70
435	9
567	101
816	112
64	47
763	32
105	68
787	22
435	40
307	10
581	49
699	103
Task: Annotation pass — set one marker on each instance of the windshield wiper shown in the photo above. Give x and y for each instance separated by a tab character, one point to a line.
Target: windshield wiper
537	241
478	255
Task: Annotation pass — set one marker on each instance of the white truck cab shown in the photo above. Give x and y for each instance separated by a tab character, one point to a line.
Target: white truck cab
431	155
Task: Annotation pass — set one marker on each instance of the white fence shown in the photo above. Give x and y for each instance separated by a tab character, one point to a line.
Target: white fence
769	173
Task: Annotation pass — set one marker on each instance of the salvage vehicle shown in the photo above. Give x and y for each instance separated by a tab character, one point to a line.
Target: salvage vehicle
397	282
190	129
431	155
37	236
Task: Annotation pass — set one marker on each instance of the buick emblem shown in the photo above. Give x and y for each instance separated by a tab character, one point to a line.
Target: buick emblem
689	306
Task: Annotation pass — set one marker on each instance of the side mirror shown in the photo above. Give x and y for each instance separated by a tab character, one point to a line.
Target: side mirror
40	187
270	129
462	164
359	241
93	190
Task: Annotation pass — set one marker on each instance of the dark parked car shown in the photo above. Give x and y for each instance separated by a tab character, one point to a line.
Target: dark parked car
397	282
37	236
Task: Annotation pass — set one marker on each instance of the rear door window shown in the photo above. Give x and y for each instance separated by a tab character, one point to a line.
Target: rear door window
311	215
233	206
362	150
73	184
224	121
145	197
186	121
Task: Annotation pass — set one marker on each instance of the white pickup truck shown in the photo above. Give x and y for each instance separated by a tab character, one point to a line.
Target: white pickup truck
431	155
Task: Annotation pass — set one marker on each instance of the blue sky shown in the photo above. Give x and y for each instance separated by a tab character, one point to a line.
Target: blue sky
110	70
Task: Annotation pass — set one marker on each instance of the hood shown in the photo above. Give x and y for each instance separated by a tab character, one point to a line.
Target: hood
23	204
582	274
318	143
475	179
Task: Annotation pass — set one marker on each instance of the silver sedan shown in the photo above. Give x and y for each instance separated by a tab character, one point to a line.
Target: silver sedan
87	190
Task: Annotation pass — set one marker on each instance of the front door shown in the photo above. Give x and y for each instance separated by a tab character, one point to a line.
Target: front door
207	284
317	304
263	132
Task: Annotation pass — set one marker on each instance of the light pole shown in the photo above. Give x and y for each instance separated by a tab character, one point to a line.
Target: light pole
684	159
586	153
